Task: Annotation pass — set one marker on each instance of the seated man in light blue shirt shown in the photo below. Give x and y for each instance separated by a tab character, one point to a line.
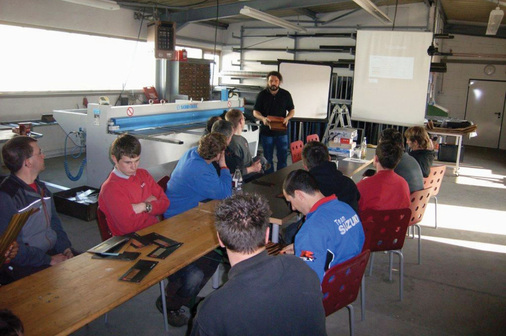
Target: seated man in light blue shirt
195	179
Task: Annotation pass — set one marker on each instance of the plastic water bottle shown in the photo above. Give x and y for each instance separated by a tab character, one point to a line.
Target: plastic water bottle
363	148
237	180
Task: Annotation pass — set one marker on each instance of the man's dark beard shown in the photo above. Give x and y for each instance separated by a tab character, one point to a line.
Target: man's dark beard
273	88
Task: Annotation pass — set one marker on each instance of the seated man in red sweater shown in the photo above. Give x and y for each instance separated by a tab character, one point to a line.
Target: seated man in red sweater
130	198
385	190
131	201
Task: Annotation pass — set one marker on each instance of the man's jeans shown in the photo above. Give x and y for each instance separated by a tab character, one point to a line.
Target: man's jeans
187	282
281	143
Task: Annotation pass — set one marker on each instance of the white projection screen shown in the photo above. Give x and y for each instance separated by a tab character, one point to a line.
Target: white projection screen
309	85
391	77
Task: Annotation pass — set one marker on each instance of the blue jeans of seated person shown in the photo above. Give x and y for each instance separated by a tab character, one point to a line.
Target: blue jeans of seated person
186	283
281	143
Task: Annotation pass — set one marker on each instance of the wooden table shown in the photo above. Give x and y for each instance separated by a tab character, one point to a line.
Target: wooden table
65	297
271	187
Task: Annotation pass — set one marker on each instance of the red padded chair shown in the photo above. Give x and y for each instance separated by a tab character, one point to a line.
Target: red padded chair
296	150
105	233
434	180
419	200
385	230
341	284
312	137
163	182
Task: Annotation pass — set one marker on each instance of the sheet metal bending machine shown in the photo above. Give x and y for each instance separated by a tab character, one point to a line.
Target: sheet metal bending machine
166	131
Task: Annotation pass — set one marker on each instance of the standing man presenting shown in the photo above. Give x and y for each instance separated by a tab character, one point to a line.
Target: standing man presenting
276	102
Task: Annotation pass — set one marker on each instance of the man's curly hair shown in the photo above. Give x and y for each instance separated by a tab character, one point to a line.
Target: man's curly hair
241	221
211	145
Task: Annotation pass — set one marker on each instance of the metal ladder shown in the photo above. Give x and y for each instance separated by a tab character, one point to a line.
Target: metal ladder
339	115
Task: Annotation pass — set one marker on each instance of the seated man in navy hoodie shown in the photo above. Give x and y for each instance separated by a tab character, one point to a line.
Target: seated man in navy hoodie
42	241
316	159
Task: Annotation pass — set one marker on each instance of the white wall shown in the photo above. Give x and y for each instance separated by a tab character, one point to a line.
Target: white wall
452	85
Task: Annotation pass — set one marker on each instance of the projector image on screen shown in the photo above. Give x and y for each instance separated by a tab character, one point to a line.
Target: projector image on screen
391	77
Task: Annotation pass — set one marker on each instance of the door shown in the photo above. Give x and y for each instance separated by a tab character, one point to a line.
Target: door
485	108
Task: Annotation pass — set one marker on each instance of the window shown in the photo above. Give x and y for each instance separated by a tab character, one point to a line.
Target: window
44	60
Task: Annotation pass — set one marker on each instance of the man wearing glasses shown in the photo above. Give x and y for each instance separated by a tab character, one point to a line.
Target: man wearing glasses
42	241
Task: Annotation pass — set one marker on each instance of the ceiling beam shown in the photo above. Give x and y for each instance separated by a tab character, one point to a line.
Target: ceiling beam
473	30
202	14
308	13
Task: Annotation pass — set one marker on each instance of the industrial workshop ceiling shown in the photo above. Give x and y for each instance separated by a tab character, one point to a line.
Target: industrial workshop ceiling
467	17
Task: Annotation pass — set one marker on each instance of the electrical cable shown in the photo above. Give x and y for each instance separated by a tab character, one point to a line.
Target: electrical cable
133	55
214	50
75	156
395	14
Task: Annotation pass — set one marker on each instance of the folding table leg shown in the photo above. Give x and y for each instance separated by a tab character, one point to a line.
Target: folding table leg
217	276
275	233
164	305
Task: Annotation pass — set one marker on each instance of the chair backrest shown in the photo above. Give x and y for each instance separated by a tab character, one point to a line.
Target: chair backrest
385	230
419	200
163	182
296	150
105	233
312	137
435	179
341	283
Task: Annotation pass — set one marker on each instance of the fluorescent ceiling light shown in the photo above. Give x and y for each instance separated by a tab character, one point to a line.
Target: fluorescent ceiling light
371	8
102	4
494	21
259	15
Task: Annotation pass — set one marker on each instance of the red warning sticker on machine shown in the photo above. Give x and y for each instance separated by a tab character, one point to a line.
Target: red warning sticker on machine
130	111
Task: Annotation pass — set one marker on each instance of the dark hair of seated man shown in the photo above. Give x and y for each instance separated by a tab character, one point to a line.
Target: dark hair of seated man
10	324
389	154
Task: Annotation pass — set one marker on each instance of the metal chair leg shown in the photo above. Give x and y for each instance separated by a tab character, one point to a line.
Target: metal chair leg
435	210
362	298
351	316
401	272
371	262
390	265
419	243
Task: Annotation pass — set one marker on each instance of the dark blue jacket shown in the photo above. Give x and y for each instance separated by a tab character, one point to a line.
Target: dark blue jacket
42	232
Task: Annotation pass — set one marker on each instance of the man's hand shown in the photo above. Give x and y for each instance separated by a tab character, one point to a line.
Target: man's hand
286	121
150	199
11	252
256	167
267	122
68	253
139	207
221	159
56	259
288	250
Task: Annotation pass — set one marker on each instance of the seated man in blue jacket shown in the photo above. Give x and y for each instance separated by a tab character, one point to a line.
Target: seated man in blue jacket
195	179
332	232
42	241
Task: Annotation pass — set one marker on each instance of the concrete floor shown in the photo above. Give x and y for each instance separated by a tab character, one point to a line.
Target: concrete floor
459	289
